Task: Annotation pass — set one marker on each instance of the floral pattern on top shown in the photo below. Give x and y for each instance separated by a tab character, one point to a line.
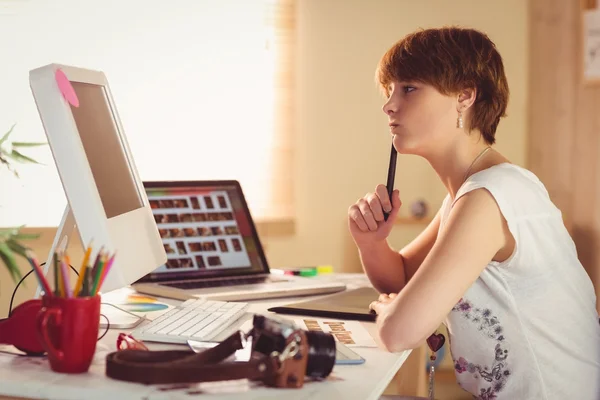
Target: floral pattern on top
496	374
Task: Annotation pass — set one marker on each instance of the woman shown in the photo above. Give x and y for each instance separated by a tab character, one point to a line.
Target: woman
496	264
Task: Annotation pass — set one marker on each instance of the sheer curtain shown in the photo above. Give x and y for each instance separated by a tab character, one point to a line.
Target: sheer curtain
204	88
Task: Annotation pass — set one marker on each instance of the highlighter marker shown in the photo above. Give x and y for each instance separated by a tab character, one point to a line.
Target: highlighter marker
390	177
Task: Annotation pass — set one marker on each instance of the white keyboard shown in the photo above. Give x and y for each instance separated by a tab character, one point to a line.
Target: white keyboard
195	319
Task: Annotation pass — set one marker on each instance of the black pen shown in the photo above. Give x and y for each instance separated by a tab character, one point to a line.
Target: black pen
390	178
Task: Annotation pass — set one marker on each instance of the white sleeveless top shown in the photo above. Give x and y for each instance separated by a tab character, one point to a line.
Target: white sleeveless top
528	327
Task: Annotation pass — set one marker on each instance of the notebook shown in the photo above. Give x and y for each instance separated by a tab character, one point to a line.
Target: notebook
348	305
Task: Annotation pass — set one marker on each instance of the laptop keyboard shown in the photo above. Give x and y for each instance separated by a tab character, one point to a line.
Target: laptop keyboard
216	283
195	319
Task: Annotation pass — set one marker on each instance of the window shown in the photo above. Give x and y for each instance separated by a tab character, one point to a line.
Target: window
203	87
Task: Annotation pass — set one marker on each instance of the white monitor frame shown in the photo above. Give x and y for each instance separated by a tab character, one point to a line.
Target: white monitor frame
132	235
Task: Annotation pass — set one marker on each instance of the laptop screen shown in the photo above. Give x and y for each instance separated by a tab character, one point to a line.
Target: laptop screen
206	229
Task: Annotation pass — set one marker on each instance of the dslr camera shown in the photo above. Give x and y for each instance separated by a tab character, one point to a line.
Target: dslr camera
301	353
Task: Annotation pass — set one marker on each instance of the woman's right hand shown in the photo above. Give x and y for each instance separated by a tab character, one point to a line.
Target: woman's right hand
365	217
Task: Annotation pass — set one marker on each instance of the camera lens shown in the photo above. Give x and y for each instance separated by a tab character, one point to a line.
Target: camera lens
321	354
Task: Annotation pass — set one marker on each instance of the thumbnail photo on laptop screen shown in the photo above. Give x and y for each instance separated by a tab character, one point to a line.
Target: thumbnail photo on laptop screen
205	232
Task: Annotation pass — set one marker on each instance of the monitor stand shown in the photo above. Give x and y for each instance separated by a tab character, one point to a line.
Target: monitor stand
61	242
121	319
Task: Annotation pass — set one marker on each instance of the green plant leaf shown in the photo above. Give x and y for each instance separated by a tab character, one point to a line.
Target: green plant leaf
15	155
26	236
9	259
5	234
17	247
3	139
27	144
10	231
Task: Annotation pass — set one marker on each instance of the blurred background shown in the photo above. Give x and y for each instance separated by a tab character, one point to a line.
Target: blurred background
281	95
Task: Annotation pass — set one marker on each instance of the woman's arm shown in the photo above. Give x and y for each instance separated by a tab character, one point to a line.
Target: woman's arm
389	270
474	232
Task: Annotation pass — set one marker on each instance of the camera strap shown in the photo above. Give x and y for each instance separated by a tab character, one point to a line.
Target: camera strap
186	366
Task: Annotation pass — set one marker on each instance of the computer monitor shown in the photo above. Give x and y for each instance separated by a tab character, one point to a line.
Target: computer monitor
106	199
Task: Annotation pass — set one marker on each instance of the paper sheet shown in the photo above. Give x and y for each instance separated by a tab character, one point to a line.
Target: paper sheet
350	333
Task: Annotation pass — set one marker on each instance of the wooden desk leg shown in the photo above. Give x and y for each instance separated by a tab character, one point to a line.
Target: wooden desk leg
411	379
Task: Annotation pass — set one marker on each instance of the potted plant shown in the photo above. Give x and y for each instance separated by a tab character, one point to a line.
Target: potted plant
10	238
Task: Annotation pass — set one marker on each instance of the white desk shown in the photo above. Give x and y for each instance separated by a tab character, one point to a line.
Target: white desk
23	377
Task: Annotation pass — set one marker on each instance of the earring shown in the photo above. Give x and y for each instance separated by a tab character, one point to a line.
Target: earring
459	121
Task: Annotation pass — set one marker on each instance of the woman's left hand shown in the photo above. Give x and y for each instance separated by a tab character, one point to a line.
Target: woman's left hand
382	303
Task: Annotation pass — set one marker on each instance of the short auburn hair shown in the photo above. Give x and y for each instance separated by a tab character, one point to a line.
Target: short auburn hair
451	59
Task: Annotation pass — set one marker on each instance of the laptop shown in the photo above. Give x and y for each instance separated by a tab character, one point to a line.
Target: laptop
213	249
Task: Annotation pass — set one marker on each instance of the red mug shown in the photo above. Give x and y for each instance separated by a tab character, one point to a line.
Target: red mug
68	331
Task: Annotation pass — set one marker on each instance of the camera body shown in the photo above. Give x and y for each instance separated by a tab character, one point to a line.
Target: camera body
300	353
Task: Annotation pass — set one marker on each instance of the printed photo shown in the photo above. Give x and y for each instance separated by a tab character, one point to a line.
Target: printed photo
195	203
209	202
165	204
164	233
176	232
202	246
231	230
169	249
200	262
190	232
223	245
154	204
228	216
216	230
172	218
220	216
195	247
175	263
185	217
180	203
209	246
181	248
222	201
213	261
199	217
237	246
212	217
204	231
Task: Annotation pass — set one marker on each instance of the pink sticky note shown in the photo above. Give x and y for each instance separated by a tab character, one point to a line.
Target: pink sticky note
66	88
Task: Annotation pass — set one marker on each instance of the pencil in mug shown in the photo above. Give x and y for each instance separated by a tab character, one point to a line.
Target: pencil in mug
38	272
105	271
67	292
98	275
56	274
97	261
85	287
60	289
84	264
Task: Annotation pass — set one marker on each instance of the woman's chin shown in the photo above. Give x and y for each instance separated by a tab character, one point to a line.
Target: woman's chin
402	145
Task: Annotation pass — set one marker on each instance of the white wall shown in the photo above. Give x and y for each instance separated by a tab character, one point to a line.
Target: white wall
342	135
191	81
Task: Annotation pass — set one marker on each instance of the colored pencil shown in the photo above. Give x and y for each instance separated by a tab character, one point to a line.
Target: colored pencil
85	288
106	269
97	276
86	259
65	278
39	273
56	288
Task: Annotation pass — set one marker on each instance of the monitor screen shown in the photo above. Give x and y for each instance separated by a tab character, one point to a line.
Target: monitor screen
206	232
105	153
